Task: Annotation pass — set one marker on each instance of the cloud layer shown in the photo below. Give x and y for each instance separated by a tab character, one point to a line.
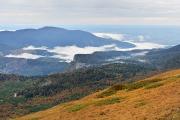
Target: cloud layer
67	53
25	56
63	53
90	12
140	42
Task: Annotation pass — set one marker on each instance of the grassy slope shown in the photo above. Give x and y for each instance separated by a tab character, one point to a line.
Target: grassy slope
157	97
40	93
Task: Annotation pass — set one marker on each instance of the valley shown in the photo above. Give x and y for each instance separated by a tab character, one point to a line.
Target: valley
39	93
27	51
89	59
34	78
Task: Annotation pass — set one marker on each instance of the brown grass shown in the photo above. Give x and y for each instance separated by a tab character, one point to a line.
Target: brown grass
154	98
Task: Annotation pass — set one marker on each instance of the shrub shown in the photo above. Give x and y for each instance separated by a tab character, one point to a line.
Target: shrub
77	107
153	85
137	85
140	103
108	101
37	108
35	119
112	90
130	86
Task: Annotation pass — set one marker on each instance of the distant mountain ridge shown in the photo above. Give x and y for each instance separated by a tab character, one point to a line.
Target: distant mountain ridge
13	42
165	58
44	44
52	36
106	56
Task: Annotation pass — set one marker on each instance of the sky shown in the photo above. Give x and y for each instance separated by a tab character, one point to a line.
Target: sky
91	12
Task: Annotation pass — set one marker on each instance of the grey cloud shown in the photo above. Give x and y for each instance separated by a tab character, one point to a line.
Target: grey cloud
35	11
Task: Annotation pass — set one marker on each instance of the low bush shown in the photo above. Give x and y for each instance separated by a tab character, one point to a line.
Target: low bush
140	103
153	85
36	108
140	84
112	90
108	101
77	107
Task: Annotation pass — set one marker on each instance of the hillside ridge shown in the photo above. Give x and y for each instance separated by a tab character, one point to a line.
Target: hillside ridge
153	98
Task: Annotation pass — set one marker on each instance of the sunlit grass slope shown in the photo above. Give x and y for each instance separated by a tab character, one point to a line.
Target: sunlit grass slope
154	98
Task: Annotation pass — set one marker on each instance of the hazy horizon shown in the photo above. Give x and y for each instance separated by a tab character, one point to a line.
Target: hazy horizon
48	12
87	27
160	34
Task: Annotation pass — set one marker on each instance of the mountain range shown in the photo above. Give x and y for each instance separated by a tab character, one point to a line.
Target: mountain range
16	52
28	51
36	77
52	37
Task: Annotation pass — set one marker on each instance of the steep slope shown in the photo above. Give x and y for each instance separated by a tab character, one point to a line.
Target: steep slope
153	98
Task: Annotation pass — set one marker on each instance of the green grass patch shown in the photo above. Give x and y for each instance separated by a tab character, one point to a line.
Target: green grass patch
108	101
112	90
77	107
66	104
129	86
137	85
178	76
140	103
153	85
34	119
176	116
37	108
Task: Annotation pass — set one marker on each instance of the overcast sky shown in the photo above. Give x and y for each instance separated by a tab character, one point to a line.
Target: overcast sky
52	12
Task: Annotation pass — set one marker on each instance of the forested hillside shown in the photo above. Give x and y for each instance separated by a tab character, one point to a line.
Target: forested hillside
25	95
22	95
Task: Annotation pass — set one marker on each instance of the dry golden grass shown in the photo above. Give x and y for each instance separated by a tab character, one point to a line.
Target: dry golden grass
157	99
